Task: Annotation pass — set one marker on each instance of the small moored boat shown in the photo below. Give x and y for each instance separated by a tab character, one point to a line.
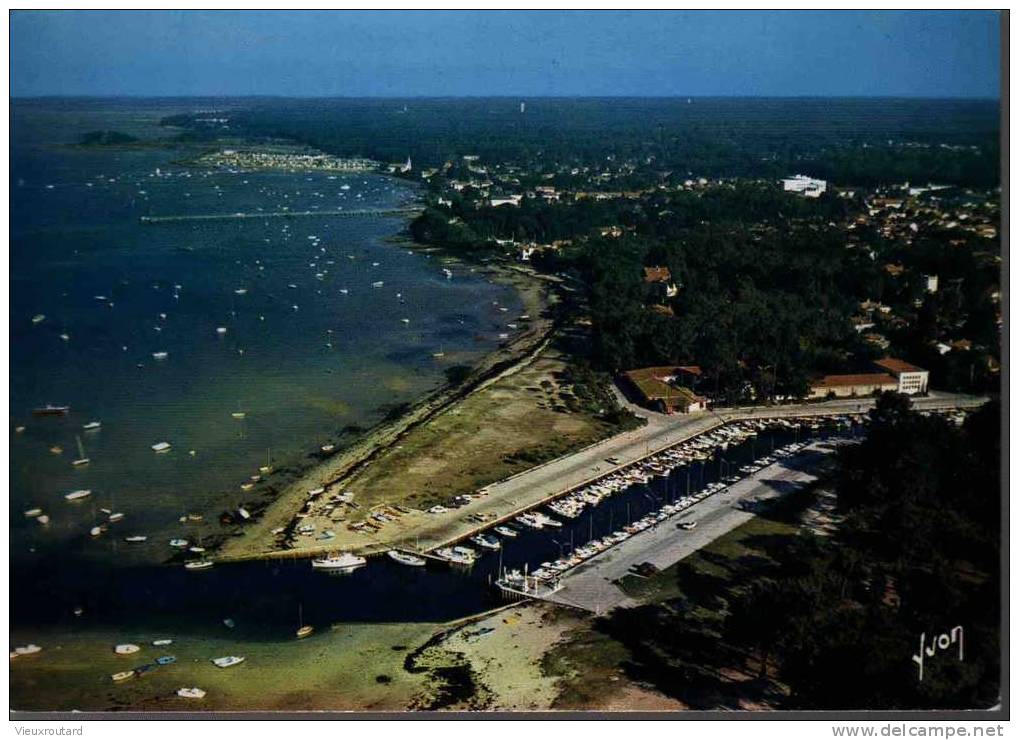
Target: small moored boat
405	558
227	661
344	562
51	410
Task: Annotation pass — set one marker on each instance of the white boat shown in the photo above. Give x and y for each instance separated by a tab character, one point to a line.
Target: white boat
160	355
447	272
162	643
122	676
377	284
77	495
267	468
405	558
29	649
313	492
115	516
505	531
178	543
161	447
92	425
32	513
530	521
227	661
486	541
136	538
238	414
328	448
221	330
198	565
191	693
451	555
345	562
241	291
82	458
126	648
38	318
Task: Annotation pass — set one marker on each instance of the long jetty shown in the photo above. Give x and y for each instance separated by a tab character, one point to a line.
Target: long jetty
352	213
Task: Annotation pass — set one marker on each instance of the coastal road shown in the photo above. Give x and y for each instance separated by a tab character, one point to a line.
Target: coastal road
591	586
529	488
422	531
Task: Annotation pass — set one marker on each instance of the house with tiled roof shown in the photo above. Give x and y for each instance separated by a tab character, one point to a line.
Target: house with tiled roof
659	388
910	378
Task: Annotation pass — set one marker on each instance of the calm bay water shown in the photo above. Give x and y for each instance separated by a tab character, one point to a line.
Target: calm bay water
72	241
300	357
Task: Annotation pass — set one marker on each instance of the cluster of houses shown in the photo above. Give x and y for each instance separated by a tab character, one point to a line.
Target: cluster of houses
282	159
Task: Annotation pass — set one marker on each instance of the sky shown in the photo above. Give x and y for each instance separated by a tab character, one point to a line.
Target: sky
517	53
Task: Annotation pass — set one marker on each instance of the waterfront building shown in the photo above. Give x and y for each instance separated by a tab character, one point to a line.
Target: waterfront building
910	379
658	388
858	384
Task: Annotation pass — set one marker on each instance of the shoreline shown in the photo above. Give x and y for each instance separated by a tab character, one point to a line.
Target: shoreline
256	541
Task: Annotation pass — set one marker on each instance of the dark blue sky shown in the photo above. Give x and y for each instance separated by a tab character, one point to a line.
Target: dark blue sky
931	54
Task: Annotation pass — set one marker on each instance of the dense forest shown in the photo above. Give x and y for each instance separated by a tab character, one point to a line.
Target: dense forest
765	284
837	620
851	141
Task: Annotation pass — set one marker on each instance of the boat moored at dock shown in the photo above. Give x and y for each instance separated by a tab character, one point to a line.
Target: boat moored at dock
345	562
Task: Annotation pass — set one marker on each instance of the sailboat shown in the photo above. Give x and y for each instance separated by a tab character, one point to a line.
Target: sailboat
267	468
82	459
303	630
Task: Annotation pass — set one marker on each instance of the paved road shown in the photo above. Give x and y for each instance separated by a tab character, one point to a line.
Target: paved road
590	586
507	498
527	489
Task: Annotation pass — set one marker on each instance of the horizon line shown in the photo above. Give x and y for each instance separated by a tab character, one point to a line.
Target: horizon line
505	96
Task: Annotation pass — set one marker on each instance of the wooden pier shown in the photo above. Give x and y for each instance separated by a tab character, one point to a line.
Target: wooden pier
352	213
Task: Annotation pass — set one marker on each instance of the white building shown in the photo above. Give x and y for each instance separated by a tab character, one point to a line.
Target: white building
805	186
911	379
931	283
